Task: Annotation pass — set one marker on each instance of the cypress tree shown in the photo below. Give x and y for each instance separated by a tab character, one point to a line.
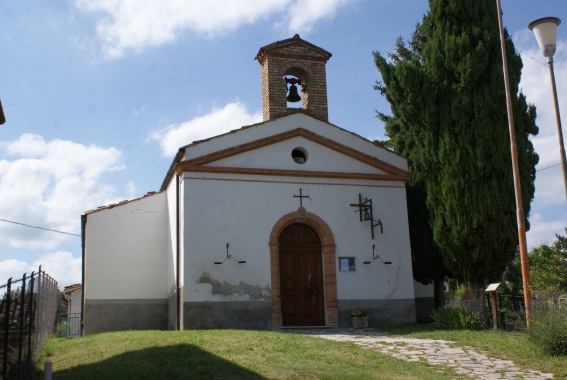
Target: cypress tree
446	91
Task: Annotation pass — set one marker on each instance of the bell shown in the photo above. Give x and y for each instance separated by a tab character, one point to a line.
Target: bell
366	215
293	95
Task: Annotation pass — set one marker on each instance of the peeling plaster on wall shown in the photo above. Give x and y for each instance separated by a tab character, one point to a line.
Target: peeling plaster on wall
216	290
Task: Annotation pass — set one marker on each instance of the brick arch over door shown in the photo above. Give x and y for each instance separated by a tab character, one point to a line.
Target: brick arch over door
328	247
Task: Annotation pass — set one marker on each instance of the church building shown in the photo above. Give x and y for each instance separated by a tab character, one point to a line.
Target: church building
291	222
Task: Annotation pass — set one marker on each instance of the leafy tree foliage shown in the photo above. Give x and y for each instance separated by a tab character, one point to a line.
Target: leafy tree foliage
446	91
512	282
548	267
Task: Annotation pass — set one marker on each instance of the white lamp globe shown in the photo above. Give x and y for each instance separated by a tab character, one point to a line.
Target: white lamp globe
545	31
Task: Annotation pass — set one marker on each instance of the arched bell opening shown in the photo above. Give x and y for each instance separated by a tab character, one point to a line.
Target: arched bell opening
296	80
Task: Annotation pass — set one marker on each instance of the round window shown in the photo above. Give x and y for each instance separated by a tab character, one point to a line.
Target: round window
299	155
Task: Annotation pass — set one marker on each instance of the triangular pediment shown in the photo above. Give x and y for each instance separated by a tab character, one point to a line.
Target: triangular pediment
272	156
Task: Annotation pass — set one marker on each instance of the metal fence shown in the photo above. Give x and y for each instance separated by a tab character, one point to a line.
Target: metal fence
28	308
510	311
69	325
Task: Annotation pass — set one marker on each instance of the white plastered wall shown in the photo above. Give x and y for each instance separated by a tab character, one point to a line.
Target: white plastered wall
242	210
76	300
421	290
126	250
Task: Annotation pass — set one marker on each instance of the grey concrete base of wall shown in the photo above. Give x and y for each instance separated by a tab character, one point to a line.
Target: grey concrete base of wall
252	315
172	311
381	312
119	315
424	306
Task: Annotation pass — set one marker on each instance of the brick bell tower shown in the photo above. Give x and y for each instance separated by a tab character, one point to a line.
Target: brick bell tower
293	63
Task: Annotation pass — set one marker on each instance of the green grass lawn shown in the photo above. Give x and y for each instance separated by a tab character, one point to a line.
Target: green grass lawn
241	354
221	354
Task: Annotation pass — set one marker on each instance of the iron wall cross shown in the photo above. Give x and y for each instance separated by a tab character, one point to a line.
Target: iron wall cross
301	196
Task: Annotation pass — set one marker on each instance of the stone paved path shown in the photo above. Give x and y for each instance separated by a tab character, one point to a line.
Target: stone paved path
464	360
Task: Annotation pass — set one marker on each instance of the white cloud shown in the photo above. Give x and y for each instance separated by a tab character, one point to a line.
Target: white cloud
136	25
305	13
61	266
50	184
543	231
218	121
13	269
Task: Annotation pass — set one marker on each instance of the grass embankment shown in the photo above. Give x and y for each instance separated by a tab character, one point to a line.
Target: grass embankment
236	354
500	344
221	354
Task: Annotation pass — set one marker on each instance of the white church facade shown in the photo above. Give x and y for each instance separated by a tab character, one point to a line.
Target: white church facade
290	222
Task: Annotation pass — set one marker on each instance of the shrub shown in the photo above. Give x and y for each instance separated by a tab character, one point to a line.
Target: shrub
515	319
456	318
456	292
549	327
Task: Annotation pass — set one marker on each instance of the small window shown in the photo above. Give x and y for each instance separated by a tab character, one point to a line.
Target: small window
346	264
299	155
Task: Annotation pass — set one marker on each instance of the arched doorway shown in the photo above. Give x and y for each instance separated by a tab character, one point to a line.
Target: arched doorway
301	277
328	248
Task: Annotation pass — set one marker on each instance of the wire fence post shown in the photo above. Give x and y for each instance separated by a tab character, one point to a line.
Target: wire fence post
6	302
22	312
30	319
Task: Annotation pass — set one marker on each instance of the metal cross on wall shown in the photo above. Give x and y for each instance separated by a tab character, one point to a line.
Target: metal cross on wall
301	196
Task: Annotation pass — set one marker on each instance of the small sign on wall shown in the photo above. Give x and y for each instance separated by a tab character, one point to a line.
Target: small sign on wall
346	264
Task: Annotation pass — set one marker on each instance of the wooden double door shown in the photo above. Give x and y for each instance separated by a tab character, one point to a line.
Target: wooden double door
301	277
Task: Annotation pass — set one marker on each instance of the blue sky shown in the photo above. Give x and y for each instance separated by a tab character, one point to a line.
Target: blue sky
99	94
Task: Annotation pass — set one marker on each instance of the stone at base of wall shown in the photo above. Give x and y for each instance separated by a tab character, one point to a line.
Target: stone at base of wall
119	315
381	312
254	315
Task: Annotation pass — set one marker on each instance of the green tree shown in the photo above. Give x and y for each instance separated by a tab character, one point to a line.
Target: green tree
548	267
446	91
512	282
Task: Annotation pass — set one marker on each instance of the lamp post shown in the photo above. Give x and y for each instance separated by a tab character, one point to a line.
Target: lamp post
545	31
520	218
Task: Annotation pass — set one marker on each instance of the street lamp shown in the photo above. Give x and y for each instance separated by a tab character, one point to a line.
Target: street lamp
545	31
